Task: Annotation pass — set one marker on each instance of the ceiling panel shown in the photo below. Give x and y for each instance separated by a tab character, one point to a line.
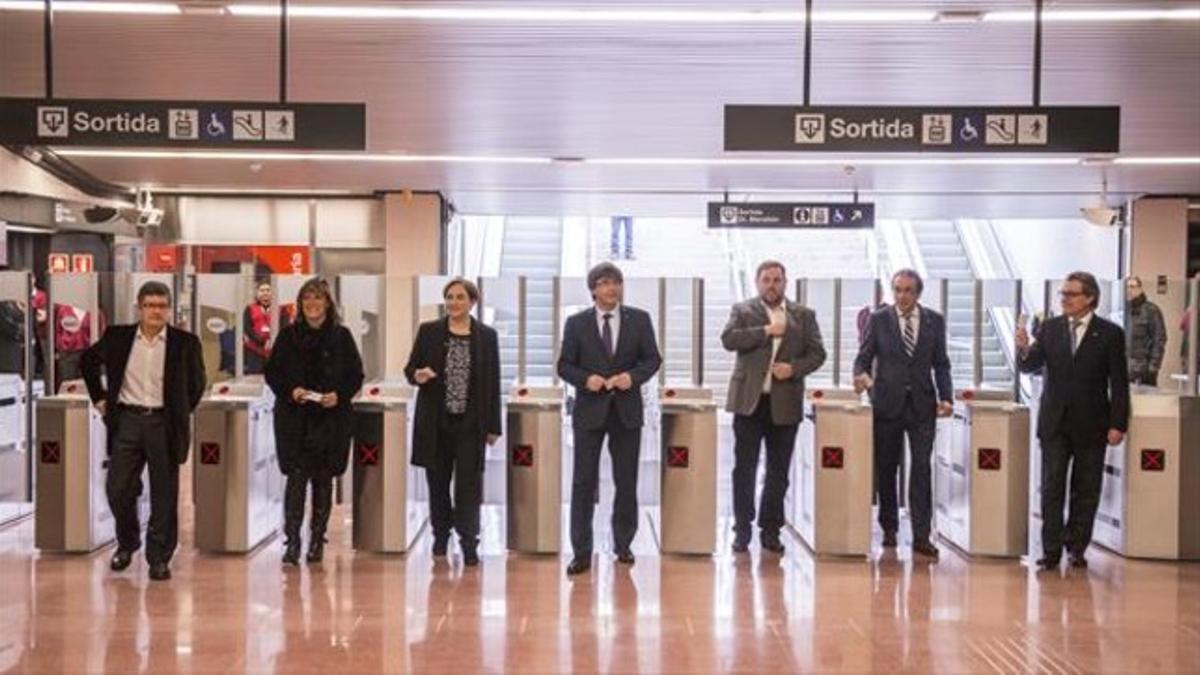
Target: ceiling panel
620	90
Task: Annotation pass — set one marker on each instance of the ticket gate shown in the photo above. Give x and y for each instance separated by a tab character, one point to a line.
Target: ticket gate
534	477
15	488
388	512
688	512
71	506
833	477
1149	500
981	477
238	488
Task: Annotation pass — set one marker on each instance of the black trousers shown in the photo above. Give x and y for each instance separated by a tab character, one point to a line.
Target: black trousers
458	460
750	431
141	441
1085	459
297	485
919	425
624	445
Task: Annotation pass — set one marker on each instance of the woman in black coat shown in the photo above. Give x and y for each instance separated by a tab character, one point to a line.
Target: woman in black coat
455	363
315	370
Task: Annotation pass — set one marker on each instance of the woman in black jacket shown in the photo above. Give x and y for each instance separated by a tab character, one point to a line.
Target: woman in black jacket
455	363
315	370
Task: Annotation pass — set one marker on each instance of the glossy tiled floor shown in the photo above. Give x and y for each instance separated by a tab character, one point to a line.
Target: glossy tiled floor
756	614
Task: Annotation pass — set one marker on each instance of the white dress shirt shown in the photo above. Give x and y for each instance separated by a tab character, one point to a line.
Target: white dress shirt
916	321
1081	329
777	314
614	323
143	385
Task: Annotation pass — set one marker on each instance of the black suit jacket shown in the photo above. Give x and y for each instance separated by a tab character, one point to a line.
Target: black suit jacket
429	351
895	373
1085	394
583	355
183	380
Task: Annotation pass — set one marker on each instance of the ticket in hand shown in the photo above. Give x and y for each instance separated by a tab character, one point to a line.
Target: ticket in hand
313	396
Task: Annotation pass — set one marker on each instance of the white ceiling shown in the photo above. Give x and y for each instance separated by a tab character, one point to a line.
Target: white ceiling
622	90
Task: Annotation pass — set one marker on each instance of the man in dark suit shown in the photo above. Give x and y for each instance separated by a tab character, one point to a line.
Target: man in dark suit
778	343
155	378
1084	406
903	361
608	352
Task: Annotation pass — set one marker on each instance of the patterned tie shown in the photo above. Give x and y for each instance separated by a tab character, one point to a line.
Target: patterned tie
910	334
606	335
1075	323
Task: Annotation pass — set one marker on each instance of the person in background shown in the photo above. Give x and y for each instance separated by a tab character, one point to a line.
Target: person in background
617	225
455	364
315	371
1147	335
256	327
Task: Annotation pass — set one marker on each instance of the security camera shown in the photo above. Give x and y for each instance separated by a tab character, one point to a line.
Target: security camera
150	217
1101	215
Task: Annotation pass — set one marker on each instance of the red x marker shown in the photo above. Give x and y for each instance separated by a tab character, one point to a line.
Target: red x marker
989	459
677	456
51	452
832	457
210	453
1154	460
522	455
368	454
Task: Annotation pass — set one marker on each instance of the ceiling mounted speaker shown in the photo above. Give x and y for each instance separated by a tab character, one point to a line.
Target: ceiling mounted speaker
100	214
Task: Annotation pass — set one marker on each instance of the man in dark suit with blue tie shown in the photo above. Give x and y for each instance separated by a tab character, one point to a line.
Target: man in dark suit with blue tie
1084	406
608	352
903	361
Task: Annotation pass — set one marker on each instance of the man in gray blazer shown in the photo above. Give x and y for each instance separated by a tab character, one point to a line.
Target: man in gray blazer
778	343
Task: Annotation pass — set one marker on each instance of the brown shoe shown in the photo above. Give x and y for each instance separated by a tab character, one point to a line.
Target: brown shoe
926	549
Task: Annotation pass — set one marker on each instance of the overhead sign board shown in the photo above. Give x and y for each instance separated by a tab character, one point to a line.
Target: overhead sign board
183	124
952	129
791	215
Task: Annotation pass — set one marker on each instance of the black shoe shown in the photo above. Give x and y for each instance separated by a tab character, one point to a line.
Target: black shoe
773	545
741	544
889	539
120	560
159	571
625	557
440	544
926	549
291	553
1048	563
316	550
470	556
1077	560
579	566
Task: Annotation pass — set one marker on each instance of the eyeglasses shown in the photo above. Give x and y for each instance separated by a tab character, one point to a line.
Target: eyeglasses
155	305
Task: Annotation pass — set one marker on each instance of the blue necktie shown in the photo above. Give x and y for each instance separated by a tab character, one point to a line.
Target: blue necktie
606	335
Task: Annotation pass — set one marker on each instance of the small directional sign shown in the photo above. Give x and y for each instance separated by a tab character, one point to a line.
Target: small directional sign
822	215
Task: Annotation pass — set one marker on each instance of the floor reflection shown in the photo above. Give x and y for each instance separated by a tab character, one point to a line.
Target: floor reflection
756	613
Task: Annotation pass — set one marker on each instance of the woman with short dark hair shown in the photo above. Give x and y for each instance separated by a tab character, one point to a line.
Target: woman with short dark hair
455	364
315	370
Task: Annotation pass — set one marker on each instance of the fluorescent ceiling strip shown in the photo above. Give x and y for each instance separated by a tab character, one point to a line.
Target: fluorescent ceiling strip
1158	161
1083	15
95	7
630	15
570	15
824	160
302	156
